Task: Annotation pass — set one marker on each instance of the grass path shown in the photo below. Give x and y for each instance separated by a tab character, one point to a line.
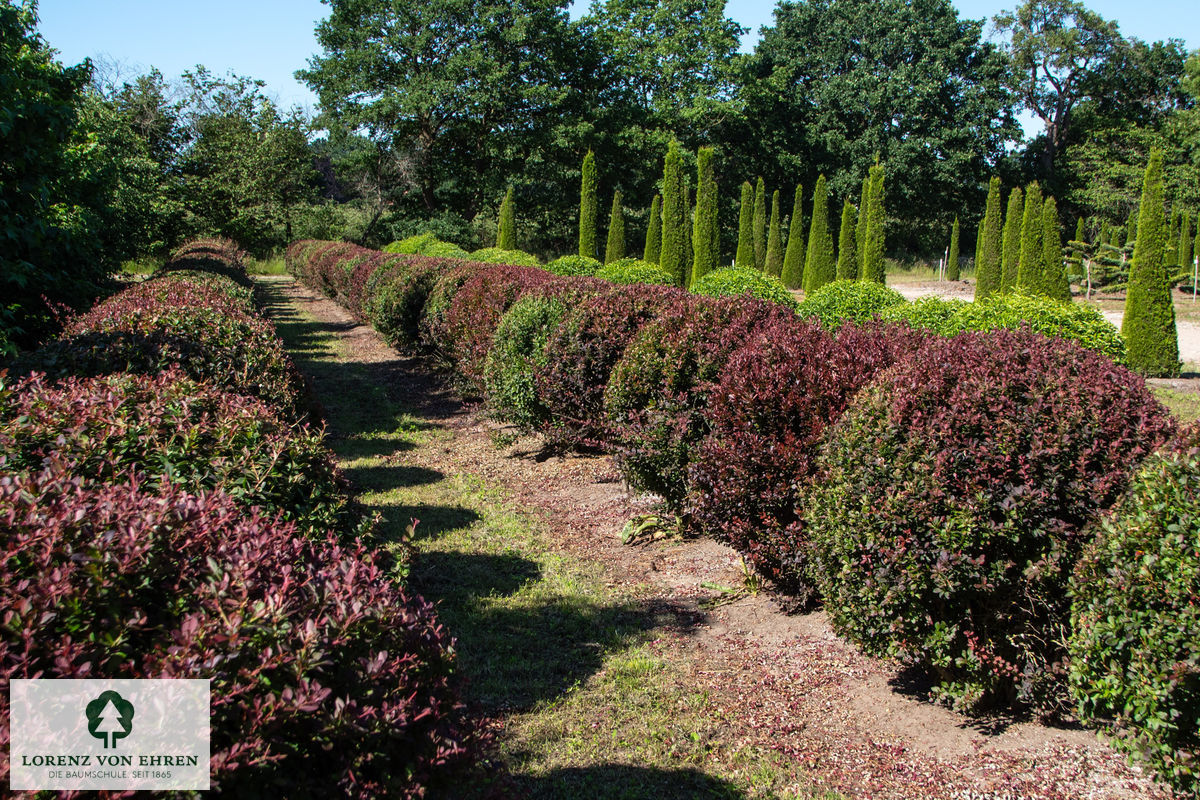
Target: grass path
580	681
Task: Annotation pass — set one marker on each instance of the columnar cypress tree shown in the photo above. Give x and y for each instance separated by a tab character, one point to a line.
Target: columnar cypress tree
860	233
688	223
987	268
774	264
952	258
506	239
872	261
819	266
654	232
847	260
793	257
1029	270
1054	271
587	207
705	241
1010	248
614	249
1151	340
674	214
1079	232
1185	242
760	225
745	245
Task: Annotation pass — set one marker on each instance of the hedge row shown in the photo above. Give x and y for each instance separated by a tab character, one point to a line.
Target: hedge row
156	523
936	492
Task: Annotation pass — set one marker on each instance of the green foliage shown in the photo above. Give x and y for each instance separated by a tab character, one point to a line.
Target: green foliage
1011	244
793	257
736	281
506	238
632	270
745	241
847	260
500	255
614	249
588	206
1185	242
952	258
426	244
987	267
872	257
674	215
760	225
1054	272
574	266
1149	321
860	231
518	349
653	247
706	243
1049	317
819	266
1135	625
774	261
1029	270
837	303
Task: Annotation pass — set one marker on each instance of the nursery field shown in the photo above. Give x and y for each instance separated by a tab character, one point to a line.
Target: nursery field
652	669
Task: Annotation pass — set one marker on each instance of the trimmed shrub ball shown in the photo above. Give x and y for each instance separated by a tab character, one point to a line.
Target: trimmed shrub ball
495	255
397	299
953	504
736	281
518	351
1135	619
777	394
837	303
574	266
633	270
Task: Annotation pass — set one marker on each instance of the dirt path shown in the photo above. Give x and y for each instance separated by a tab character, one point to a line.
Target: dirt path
782	683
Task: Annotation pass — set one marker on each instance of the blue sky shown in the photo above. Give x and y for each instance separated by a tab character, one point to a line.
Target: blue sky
271	39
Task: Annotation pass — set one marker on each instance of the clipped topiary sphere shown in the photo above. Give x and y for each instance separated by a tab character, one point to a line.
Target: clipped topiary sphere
955	496
934	314
1063	320
1135	620
736	281
494	255
837	303
574	266
518	350
634	270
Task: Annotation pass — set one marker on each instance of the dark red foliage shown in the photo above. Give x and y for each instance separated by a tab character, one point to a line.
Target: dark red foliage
475	311
432	326
582	352
777	395
328	679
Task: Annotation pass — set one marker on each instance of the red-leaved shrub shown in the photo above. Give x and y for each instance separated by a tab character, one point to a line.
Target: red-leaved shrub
953	500
328	679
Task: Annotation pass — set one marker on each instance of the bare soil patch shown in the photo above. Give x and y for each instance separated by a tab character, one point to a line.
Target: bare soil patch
783	682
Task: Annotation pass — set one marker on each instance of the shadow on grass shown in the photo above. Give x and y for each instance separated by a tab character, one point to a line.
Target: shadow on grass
383	477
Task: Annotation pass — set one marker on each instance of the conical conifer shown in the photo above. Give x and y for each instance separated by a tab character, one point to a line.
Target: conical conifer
774	265
793	256
1054	270
760	225
614	249
654	232
872	261
506	238
860	231
689	223
1079	232
1010	247
819	266
705	242
745	244
674	216
952	258
587	207
847	259
1029	270
1152	343
987	268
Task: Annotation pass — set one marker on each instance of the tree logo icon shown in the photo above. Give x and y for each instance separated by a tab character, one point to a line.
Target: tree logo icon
110	717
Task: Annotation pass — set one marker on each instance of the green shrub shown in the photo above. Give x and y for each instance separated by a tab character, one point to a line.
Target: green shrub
633	270
426	244
494	255
849	301
931	313
737	281
574	266
518	349
1082	324
1135	639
